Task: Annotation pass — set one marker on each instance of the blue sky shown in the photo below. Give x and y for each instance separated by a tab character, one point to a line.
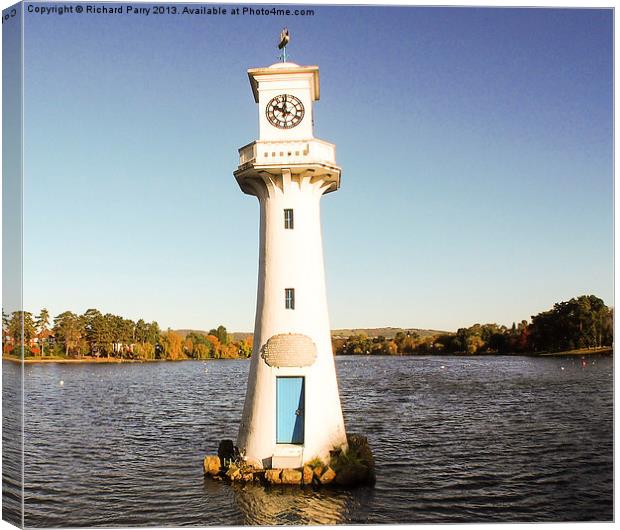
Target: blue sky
475	144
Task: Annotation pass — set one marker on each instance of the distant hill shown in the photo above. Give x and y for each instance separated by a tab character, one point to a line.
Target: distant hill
235	335
240	335
185	332
388	333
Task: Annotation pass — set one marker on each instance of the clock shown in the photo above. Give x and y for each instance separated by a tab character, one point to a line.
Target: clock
285	111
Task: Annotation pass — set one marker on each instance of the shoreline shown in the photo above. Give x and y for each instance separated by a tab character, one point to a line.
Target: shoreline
584	351
113	360
91	360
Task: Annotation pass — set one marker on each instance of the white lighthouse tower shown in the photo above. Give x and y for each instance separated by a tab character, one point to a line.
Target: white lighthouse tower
292	409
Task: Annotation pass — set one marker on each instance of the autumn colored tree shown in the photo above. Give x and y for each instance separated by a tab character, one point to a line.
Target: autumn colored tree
356	345
406	342
172	344
144	350
202	351
245	347
581	322
215	345
188	347
229	351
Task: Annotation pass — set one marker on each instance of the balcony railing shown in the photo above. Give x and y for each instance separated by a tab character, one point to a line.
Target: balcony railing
295	152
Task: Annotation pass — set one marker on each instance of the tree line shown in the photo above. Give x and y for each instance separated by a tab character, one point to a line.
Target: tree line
94	334
583	322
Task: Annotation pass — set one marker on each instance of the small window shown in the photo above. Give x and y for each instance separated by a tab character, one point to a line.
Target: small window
289	298
288	218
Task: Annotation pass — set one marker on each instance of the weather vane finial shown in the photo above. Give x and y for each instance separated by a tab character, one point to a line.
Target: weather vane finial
284	40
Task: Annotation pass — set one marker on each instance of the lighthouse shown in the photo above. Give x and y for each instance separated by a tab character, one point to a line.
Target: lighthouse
292	410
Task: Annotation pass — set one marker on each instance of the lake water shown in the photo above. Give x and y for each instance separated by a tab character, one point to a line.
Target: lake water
456	439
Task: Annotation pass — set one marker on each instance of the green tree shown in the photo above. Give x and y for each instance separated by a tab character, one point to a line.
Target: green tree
42	326
152	333
202	347
141	331
581	322
146	340
221	334
68	330
6	319
21	328
43	320
92	322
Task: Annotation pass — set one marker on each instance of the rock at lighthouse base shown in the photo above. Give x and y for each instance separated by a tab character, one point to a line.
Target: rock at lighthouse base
352	475
328	476
291	476
212	465
272	476
308	473
354	466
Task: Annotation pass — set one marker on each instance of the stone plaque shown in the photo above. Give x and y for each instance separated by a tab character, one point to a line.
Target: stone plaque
289	350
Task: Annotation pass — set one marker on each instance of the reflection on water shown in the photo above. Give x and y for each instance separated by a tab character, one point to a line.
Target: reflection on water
455	439
268	506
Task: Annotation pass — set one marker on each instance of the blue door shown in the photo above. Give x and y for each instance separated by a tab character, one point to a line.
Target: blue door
290	410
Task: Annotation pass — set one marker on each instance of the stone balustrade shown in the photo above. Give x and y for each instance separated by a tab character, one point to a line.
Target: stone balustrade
285	153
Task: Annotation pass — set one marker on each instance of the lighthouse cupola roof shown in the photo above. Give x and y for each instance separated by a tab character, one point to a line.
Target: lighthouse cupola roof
284	65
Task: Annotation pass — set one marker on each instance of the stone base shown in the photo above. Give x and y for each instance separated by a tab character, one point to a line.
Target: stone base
354	467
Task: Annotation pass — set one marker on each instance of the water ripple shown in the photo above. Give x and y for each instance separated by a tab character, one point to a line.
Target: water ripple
481	439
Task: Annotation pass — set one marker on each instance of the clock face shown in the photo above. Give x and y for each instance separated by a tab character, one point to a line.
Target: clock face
285	111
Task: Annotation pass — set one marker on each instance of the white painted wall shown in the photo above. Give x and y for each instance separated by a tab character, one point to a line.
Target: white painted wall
290	258
275	83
